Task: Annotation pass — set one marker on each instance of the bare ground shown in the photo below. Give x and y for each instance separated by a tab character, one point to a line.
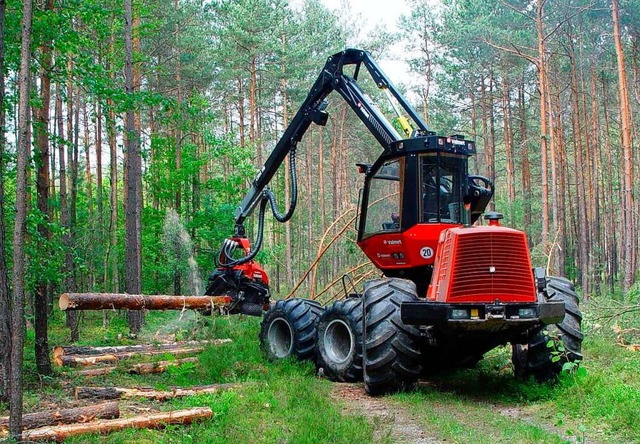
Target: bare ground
392	422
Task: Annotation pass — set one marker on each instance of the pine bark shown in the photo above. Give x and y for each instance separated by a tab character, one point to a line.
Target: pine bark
145	392
154	420
508	143
114	358
112	301
628	242
20	225
525	164
42	286
143	368
99	187
133	176
89	351
68	208
5	295
544	131
105	410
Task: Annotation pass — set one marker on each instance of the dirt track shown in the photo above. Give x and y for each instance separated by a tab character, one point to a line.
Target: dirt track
392	422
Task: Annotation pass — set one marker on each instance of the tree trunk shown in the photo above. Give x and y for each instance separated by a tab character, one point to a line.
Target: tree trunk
544	132
508	146
5	296
524	160
66	218
112	255
112	301
111	258
42	189
126	393
583	244
133	176
178	135
99	190
19	232
106	410
611	214
153	420
628	231
87	161
556	248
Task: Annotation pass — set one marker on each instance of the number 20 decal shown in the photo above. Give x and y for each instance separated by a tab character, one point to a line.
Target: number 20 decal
426	252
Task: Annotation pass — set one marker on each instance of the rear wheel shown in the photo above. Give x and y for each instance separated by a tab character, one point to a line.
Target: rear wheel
545	362
391	348
339	339
288	329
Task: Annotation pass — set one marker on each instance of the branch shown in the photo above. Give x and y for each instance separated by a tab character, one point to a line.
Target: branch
562	22
517	11
515	50
322	250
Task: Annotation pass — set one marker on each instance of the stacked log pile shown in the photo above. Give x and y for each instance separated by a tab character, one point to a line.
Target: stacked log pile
57	425
82	356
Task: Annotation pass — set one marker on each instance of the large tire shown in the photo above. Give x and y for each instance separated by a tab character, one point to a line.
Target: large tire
288	329
339	340
391	355
539	360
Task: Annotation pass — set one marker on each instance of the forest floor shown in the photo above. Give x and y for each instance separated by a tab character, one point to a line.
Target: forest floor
390	419
286	402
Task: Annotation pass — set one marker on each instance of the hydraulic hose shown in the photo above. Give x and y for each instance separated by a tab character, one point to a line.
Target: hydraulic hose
294	191
225	258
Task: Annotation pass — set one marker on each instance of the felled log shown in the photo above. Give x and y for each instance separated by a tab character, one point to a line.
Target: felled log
153	420
81	360
87	350
159	395
112	301
144	368
107	410
100	371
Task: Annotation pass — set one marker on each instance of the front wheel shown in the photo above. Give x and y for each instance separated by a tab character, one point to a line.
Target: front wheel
339	340
543	359
391	348
288	329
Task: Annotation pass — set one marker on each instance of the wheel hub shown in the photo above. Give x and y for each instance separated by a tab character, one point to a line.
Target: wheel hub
280	337
339	341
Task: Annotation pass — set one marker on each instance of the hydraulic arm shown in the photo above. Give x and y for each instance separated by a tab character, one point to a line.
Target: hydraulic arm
332	78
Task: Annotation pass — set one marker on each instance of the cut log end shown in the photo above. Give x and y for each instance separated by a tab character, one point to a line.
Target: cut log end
63	303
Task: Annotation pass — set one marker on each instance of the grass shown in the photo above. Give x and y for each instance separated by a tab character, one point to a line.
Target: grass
286	402
487	404
276	403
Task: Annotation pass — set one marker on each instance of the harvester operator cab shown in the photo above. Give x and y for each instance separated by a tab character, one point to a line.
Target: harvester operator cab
422	181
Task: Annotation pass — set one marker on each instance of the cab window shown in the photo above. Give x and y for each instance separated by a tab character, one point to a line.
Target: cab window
441	188
385	199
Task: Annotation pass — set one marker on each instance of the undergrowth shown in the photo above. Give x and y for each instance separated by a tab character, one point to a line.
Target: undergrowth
285	402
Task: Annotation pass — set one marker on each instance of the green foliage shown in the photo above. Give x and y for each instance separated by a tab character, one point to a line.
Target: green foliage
276	402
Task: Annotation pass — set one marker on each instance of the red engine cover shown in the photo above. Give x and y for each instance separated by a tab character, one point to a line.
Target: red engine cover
482	264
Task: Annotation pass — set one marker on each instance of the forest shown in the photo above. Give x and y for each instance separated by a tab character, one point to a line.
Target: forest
130	133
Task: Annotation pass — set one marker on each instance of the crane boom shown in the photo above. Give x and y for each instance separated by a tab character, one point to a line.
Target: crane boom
332	78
